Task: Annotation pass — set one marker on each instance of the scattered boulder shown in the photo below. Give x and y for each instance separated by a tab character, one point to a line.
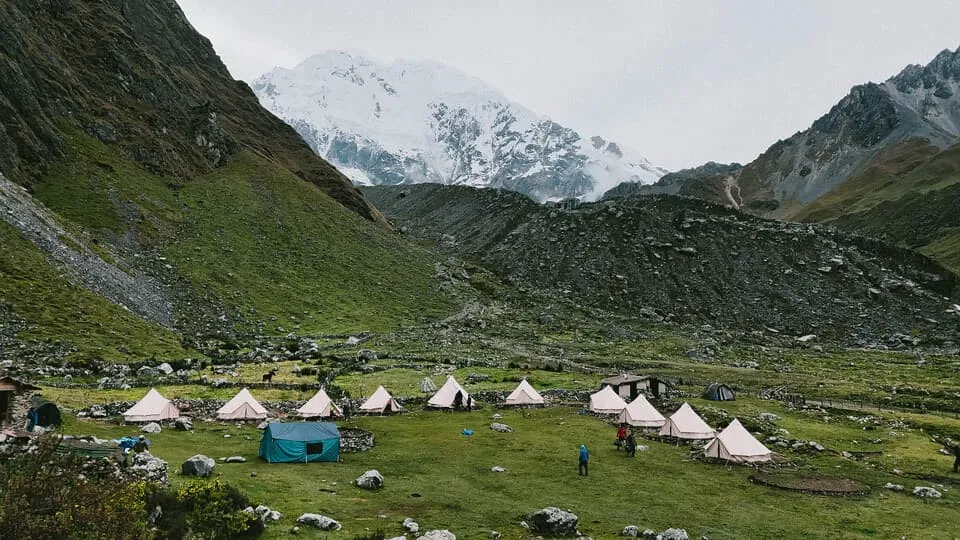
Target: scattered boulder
323	523
925	492
98	411
673	534
366	355
371	479
235	459
183	424
631	531
198	465
147	371
152	468
427	386
165	368
494	535
441	534
411	526
502	428
152	427
497	468
554	522
768	417
266	514
893	487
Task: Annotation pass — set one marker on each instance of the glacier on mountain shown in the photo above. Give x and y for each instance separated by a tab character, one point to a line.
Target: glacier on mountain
410	122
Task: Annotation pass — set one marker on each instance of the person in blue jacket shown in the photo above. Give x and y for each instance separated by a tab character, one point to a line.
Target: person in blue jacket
584	460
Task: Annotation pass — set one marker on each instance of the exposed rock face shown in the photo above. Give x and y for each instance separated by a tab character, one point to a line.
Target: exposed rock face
198	465
56	57
554	521
921	102
424	122
705	182
684	260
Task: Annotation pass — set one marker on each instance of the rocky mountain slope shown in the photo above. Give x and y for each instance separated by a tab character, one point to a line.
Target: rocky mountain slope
684	260
710	181
409	122
151	206
921	102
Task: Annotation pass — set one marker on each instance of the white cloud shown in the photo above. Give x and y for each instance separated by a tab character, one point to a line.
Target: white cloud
681	82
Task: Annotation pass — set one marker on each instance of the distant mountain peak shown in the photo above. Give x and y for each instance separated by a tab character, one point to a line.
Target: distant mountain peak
421	121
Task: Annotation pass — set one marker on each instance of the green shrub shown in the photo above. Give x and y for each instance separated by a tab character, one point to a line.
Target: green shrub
44	494
204	510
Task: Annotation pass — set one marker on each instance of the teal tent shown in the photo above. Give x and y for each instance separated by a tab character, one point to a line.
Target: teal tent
300	442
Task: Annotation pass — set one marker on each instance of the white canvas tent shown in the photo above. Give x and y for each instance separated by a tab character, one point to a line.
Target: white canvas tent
640	413
446	397
151	408
606	401
735	443
242	407
686	424
524	394
319	406
380	402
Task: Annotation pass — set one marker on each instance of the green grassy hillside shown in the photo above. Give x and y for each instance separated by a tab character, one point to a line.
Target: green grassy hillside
907	195
247	247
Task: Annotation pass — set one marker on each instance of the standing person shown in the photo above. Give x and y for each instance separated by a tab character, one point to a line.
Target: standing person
621	435
632	444
956	452
142	445
582	469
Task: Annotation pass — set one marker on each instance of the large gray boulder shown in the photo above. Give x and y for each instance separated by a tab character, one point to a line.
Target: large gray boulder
553	521
502	428
441	534
673	534
151	468
323	523
926	492
183	424
427	386
198	465
631	531
165	368
371	479
411	526
147	371
152	427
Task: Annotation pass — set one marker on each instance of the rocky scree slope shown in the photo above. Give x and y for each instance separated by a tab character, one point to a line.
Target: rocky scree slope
684	260
163	209
409	122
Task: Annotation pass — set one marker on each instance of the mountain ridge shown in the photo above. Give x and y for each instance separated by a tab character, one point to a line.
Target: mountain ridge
410	122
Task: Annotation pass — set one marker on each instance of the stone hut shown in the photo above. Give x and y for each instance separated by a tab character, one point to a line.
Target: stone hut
15	400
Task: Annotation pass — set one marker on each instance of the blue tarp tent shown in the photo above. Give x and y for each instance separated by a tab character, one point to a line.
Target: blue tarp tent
300	442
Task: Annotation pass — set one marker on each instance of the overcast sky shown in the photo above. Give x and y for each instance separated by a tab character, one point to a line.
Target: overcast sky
681	82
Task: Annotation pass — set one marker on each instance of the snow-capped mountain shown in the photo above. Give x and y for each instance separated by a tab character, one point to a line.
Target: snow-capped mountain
409	122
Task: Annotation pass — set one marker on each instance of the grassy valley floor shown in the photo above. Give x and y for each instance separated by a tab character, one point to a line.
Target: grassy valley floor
424	453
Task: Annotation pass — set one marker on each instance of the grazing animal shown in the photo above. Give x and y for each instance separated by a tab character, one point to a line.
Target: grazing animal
268	377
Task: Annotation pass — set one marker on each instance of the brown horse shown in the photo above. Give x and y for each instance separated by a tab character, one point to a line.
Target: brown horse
268	377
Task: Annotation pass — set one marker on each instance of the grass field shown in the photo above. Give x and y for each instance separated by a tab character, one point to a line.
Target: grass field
424	453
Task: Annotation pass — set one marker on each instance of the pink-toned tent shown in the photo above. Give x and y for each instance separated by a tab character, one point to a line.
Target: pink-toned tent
242	407
319	406
152	408
735	443
380	402
446	396
641	413
686	424
524	394
606	401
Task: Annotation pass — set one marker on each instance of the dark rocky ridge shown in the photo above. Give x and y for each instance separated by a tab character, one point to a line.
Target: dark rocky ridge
681	259
700	182
138	75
